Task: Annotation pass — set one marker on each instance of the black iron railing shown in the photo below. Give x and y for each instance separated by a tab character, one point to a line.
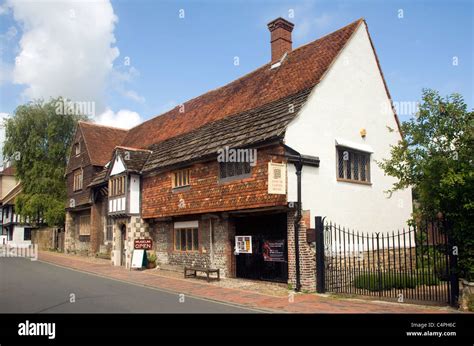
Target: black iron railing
415	264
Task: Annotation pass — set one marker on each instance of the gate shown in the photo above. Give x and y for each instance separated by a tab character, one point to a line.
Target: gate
416	264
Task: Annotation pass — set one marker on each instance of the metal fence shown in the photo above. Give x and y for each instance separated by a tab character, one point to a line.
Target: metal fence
414	264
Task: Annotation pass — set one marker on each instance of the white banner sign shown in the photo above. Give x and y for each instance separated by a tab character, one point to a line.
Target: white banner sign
277	178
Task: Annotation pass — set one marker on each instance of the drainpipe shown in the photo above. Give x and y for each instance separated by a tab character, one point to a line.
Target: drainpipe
299	161
299	167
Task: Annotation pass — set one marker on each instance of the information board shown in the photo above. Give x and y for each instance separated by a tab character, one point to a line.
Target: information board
137	258
274	251
243	244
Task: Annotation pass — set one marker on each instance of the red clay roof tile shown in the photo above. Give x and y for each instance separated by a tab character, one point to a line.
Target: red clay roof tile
100	141
303	68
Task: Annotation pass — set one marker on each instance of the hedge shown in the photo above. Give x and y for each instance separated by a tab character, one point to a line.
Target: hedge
388	281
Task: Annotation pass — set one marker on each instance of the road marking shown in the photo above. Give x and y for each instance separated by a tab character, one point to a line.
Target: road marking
263	310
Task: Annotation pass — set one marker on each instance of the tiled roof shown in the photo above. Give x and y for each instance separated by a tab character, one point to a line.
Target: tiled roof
99	177
245	129
303	68
101	141
132	158
244	112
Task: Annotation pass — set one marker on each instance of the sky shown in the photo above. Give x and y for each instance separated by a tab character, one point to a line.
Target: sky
133	60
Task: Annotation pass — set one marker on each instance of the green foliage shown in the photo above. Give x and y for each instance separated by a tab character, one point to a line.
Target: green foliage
387	281
435	157
432	258
151	257
38	140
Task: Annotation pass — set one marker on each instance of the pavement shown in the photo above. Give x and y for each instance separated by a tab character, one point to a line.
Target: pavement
235	299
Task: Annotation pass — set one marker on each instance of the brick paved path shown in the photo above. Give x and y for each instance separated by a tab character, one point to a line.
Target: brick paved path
302	303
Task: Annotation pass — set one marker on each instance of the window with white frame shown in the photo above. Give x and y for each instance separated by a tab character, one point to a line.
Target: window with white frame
353	165
186	239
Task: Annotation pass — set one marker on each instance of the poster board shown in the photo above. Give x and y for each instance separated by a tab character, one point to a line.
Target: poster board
274	251
137	258
243	244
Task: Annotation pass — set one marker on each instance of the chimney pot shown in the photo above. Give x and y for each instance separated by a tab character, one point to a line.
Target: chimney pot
280	30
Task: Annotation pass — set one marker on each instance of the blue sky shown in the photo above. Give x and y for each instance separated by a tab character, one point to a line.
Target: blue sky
156	60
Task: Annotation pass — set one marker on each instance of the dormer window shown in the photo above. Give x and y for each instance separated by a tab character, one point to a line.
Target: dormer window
77	149
117	186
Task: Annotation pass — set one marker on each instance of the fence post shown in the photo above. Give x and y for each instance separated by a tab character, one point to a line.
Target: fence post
320	268
453	268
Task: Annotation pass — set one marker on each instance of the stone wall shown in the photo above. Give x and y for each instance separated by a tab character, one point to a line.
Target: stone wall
466	295
219	255
73	242
44	237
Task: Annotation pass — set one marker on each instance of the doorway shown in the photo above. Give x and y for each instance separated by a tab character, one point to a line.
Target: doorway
269	258
123	238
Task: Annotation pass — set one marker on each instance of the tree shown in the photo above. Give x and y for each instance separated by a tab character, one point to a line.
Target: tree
435	157
37	142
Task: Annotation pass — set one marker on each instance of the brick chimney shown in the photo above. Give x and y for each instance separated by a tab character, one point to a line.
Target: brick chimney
280	30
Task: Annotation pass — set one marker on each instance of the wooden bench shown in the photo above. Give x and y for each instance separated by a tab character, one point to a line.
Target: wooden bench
194	271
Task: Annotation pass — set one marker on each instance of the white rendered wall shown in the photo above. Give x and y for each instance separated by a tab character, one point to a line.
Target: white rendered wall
118	166
350	97
134	194
18	238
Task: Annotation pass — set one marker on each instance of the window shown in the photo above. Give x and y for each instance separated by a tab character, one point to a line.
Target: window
181	178
77	149
353	165
186	239
233	169
117	186
27	234
109	230
77	185
84	225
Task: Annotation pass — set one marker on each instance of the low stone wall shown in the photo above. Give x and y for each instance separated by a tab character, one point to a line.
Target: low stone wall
44	237
466	295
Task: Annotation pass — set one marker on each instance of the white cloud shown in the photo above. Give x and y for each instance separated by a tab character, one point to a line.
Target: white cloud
124	118
310	26
10	34
67	49
3	9
132	95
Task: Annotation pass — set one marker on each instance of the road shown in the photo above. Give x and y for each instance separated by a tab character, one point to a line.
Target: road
36	287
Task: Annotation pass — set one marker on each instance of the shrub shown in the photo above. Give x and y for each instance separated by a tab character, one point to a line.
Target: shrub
388	281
